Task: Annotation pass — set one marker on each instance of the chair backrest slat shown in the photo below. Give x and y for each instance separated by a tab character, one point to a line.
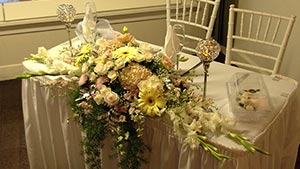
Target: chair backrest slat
250	25
204	14
177	9
198	17
287	34
191	10
184	9
267	29
242	24
258	27
276	30
262	51
197	11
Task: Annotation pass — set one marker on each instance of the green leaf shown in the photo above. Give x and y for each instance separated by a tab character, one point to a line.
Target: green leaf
36	58
183	59
31	74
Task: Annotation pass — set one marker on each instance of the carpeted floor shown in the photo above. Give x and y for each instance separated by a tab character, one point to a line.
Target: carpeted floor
13	153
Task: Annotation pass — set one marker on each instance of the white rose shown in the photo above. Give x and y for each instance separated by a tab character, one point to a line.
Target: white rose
148	56
93	77
139	58
109	64
98	98
112	75
100	69
119	64
150	83
84	68
91	60
100	59
111	98
104	90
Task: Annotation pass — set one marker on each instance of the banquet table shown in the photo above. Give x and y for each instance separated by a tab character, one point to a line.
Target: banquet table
53	139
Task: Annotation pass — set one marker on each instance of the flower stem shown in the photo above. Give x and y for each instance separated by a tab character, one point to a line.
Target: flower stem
212	149
28	75
246	143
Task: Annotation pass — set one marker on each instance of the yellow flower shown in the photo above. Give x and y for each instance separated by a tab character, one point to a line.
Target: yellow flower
125	29
128	53
120	138
80	60
126	135
86	49
83	55
151	102
100	59
122	119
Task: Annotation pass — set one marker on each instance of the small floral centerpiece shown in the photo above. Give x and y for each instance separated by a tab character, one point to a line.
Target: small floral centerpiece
248	99
115	85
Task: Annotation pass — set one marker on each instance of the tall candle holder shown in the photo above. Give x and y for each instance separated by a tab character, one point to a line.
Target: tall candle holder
66	13
207	50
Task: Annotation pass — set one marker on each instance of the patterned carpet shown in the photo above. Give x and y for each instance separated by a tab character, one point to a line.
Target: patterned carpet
13	153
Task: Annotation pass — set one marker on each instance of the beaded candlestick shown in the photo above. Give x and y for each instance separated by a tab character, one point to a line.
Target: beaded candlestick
66	13
207	51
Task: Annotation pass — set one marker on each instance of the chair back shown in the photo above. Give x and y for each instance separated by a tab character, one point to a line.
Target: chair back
257	40
197	16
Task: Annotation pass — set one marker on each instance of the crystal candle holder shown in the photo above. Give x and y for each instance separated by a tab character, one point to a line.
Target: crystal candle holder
66	13
207	51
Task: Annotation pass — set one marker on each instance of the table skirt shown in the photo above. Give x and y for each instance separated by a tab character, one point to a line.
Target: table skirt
53	143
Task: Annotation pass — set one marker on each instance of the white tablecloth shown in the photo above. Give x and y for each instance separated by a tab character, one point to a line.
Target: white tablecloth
54	144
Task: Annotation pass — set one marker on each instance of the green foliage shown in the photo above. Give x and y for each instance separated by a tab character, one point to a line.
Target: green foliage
96	124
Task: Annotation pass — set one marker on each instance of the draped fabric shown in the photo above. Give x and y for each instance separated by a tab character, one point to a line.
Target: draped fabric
52	143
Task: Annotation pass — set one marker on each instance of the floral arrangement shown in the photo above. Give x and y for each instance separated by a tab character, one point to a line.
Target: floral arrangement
248	99
115	85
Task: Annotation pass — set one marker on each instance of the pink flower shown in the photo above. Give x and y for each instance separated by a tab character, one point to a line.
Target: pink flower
100	81
167	62
132	93
127	96
83	79
120	108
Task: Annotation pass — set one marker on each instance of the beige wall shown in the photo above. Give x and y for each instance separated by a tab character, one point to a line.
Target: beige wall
17	42
290	66
20	38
